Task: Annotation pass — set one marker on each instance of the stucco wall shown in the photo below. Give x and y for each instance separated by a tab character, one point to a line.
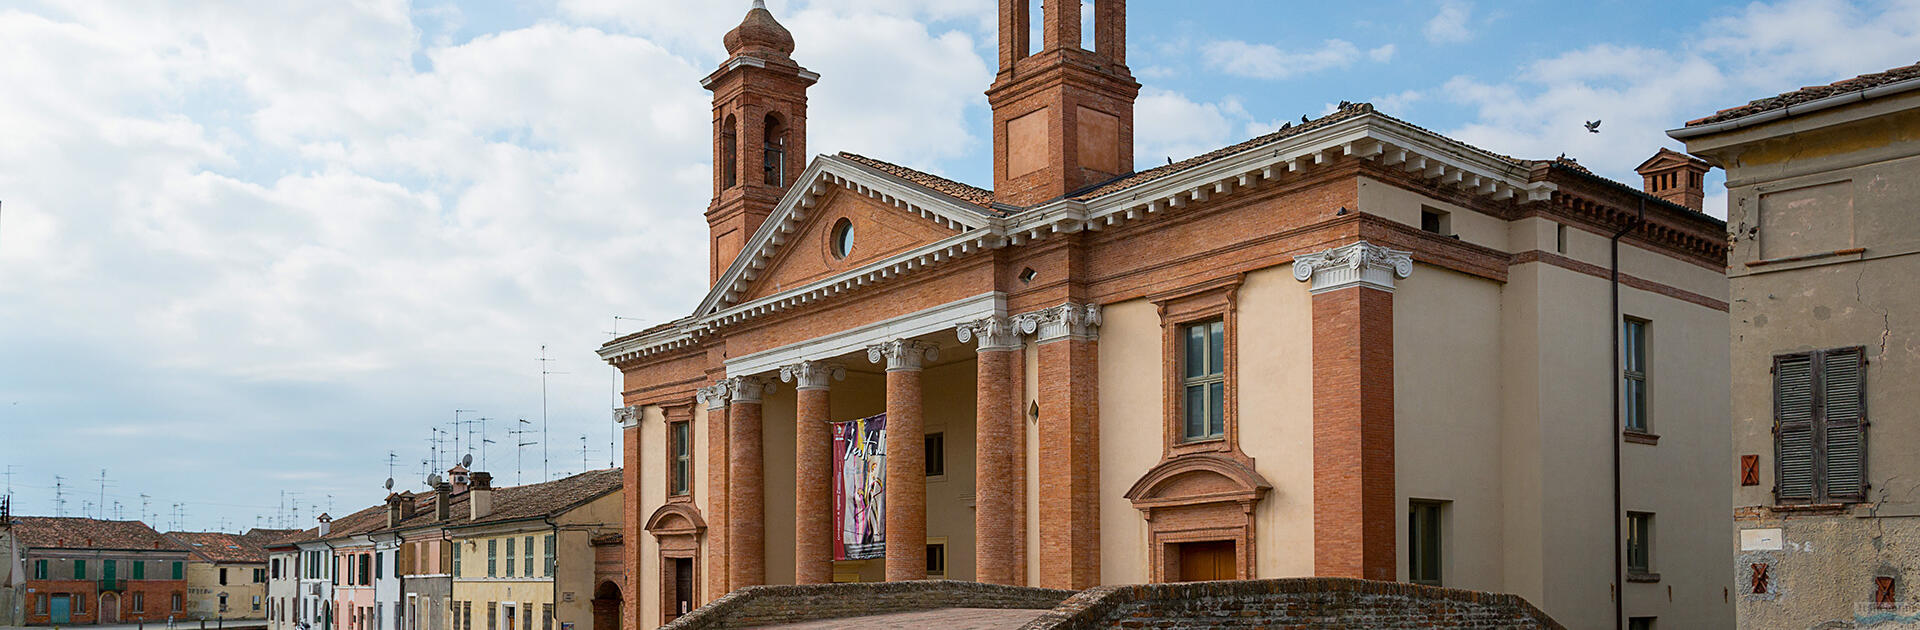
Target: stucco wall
1276	415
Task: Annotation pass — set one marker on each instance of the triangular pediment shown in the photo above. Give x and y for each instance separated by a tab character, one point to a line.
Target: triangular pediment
1669	158
888	215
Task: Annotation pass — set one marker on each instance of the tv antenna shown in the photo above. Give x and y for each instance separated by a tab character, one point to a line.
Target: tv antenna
613	432
456	427
519	449
546	469
392	459
59	495
484	441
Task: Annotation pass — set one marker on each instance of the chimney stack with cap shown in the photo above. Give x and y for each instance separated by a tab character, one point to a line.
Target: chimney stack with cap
326	524
1676	177
442	497
480	495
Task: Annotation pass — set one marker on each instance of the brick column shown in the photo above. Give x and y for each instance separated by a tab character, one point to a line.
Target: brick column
746	498
1354	507
1069	444
716	397
906	509
813	471
999	525
634	522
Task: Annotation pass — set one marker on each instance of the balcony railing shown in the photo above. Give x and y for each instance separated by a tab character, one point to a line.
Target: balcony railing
112	584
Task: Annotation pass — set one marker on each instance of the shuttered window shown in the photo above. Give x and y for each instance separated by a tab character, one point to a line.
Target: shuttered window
493	560
1820	424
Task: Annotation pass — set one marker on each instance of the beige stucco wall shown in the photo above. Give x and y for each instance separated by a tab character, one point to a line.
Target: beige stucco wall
204	591
1130	433
645	585
1404	206
1862	160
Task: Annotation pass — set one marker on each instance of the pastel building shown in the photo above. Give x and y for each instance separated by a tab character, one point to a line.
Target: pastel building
524	559
226	576
82	571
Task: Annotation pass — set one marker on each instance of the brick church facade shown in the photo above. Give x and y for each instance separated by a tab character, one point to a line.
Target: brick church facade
1352	347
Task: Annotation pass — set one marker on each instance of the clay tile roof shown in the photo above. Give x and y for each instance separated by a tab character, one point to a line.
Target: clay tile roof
550	498
1814	93
1349	110
51	532
221	547
975	195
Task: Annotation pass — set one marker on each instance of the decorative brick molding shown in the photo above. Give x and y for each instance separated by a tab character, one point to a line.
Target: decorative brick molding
1292	603
756	606
1199	498
1212	300
677	527
1359	264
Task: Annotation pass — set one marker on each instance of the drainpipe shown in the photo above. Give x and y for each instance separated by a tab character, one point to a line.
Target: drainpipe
555	528
1613	430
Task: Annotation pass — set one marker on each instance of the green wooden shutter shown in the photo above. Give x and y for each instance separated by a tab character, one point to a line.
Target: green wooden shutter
1843	424
179	572
139	570
79	569
1793	427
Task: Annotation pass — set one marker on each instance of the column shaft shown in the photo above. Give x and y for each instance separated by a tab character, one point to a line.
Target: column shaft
998	533
813	490
746	507
1069	464
906	508
718	454
1353	443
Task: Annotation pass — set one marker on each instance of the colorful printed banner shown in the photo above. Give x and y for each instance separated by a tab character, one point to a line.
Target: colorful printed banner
860	488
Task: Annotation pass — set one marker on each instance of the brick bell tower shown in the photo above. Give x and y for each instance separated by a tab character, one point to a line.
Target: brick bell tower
1062	115
759	131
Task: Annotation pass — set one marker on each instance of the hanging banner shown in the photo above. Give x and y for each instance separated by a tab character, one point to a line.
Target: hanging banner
860	488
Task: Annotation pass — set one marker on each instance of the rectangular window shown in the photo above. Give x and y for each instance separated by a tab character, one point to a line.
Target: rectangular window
526	551
39	569
178	603
223	577
937	560
109	569
548	554
1639	542
380	566
509	557
1820	426
366	569
456	560
139	602
80	605
1634	342
1205	380
1560	238
682	458
546	617
79	569
526	617
1640	623
493	617
936	454
1435	221
179	571
493	566
1424	542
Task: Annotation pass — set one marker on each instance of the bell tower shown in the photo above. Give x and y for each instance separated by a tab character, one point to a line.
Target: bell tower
1062	114
759	131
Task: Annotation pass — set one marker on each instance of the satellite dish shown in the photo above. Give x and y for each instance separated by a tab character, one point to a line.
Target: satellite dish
433	479
466	461
389	483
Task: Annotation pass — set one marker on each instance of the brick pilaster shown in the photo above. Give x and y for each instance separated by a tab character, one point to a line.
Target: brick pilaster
746	498
718	452
1069	464
632	530
1353	440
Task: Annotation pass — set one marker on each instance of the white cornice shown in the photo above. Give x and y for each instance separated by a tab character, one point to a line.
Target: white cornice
857	339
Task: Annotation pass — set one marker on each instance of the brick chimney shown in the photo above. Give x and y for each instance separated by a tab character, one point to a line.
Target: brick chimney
442	498
480	495
1675	177
458	476
409	505
393	510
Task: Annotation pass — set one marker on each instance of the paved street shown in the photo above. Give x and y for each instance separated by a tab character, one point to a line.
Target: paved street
944	619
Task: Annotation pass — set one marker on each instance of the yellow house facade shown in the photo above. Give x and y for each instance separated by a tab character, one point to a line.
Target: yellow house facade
226	576
526	559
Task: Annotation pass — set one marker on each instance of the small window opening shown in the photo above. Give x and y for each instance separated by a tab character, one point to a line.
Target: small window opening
1088	41
1435	221
936	454
842	238
1560	239
1027	275
729	153
1424	542
1640	623
937	560
1639	543
1634	342
775	159
1036	26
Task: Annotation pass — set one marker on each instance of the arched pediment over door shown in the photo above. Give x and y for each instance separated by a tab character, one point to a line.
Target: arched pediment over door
1199	498
678	528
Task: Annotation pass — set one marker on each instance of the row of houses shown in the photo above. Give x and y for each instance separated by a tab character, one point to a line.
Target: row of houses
65	571
462	556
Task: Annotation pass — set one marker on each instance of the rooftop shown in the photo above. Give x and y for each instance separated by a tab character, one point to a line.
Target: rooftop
1812	93
56	532
221	547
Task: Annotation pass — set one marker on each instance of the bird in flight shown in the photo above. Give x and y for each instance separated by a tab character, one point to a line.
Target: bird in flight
1593	126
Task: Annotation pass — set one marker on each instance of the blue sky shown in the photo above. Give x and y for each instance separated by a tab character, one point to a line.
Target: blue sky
248	248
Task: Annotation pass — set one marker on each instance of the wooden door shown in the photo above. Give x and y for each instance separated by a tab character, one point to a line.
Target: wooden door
682	586
1202	561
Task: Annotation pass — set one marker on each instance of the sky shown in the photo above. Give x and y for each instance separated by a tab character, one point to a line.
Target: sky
248	250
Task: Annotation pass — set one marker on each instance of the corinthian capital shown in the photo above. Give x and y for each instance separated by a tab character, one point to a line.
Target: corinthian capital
812	374
1066	321
1359	264
749	389
903	354
998	332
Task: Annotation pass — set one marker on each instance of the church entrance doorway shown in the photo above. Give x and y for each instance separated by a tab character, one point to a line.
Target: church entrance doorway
1203	561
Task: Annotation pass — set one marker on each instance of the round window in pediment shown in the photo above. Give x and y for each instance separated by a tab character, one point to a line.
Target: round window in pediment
842	239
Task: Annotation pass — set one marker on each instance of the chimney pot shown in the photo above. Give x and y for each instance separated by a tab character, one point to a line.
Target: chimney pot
480	495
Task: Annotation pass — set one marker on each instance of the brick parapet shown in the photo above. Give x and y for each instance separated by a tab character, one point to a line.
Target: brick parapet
1291	603
756	606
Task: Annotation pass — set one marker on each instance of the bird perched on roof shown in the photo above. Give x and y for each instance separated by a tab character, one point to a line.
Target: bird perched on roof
1304	119
1593	126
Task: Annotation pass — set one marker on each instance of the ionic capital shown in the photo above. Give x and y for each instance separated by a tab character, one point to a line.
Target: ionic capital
628	416
1066	321
1359	264
998	332
807	375
903	354
717	395
747	390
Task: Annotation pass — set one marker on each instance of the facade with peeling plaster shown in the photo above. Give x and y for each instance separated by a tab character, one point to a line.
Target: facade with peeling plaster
1824	227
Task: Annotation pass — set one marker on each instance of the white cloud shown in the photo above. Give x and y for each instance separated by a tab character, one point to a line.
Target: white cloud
1382	54
1451	25
1265	61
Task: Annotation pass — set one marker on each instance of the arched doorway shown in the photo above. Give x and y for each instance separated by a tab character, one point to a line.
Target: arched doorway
109	608
606	606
